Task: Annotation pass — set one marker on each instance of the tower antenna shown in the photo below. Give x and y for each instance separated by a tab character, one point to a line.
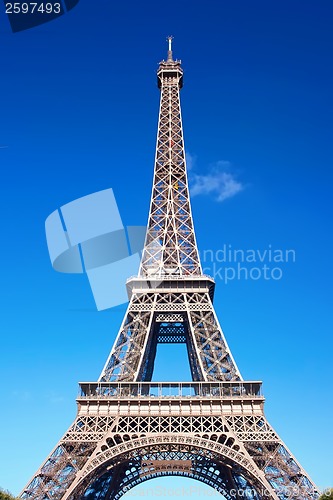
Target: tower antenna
169	40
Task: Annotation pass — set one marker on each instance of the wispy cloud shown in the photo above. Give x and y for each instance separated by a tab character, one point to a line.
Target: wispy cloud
54	398
50	397
190	161
3	147
22	395
218	182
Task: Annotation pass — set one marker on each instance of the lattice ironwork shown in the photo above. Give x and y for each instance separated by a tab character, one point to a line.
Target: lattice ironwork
133	354
128	429
170	247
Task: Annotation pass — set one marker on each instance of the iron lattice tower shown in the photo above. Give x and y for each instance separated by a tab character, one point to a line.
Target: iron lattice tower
129	429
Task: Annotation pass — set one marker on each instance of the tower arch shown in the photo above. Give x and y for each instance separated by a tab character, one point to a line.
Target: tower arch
228	471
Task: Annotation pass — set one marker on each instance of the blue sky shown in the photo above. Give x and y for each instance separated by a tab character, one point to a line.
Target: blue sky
79	114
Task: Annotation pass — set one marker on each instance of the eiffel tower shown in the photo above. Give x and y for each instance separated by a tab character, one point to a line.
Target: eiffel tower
129	429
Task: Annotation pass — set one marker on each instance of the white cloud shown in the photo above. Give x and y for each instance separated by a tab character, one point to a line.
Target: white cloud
54	398
190	161
217	182
22	395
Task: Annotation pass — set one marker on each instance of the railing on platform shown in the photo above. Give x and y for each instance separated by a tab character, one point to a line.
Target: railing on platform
170	389
171	277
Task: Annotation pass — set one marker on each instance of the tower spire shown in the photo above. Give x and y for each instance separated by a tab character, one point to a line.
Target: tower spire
170	247
170	58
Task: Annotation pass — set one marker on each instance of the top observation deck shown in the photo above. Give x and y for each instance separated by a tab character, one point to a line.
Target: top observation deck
170	71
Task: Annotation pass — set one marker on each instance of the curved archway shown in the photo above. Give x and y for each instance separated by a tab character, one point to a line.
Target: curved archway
117	469
232	486
175	487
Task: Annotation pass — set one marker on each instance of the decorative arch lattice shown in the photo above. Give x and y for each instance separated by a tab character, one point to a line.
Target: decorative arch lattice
130	463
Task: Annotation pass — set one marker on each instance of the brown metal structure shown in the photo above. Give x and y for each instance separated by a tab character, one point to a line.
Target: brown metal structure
129	429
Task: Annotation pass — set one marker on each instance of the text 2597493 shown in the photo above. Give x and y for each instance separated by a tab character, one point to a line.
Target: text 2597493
32	7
